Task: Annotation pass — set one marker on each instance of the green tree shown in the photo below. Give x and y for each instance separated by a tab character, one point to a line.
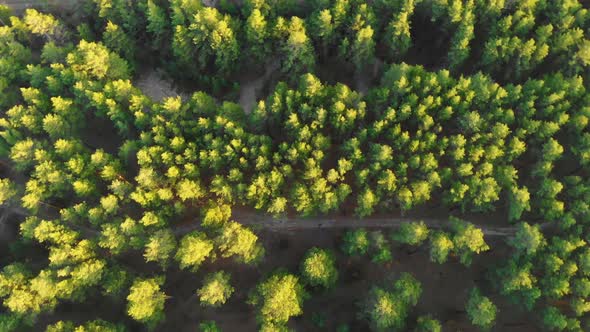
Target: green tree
481	311
216	289
380	247
216	215
157	22
96	61
384	311
412	233
397	34
237	240
388	310
528	239
299	55
363	48
257	35
193	249
518	203
120	12
552	150
553	319
209	326
160	247
211	38
5	14
355	242
115	39
467	240
460	48
516	280
440	246
145	302
583	54
318	268
7	191
428	324
407	289
277	299
366	203
22	154
322	26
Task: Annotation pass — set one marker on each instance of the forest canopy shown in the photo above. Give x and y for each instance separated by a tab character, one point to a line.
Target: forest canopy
367	110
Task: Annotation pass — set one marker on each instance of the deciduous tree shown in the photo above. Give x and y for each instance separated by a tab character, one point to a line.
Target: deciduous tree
277	299
481	311
318	268
193	249
216	289
145	302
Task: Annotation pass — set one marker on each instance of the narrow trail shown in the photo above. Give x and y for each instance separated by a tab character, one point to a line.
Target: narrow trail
250	86
292	224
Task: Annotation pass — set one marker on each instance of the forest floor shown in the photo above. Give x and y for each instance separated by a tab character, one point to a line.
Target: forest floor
251	86
153	84
445	289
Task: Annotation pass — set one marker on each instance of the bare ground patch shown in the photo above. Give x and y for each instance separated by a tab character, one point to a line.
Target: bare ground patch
154	85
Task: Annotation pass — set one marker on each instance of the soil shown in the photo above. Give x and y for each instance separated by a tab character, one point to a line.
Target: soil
154	85
252	84
430	43
445	287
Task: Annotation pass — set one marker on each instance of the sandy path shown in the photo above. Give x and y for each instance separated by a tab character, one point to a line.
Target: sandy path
250	88
291	224
153	84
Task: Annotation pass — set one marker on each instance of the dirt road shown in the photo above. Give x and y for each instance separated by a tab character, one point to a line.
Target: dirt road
288	224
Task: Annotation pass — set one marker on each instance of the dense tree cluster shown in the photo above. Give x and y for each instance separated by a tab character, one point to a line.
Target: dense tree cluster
532	33
517	37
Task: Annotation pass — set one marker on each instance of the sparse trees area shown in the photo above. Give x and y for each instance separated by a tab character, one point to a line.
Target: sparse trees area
116	198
